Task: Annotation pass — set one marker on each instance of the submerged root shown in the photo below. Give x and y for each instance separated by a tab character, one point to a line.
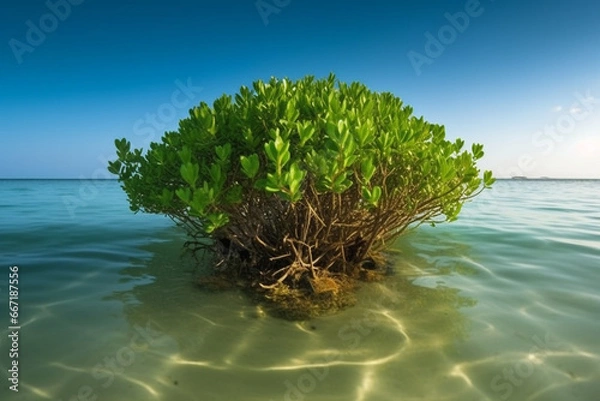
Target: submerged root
325	295
292	286
323	284
296	300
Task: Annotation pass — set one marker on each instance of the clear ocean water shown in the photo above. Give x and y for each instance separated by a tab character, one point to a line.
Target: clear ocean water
501	305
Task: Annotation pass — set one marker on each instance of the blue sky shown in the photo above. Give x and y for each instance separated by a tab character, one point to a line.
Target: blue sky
524	80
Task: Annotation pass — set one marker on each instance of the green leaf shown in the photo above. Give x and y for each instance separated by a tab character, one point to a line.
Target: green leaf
189	172
223	152
306	132
271	151
488	180
282	159
185	155
272	184
196	112
216	221
185	194
477	150
331	129
372	196
250	165
341	184
363	134
342	127
458	144
123	145
366	194
294	179
376	195
281	145
114	167
202	198
217	175
367	168
123	148
291	112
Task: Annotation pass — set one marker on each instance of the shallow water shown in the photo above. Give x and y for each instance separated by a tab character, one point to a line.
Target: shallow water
501	305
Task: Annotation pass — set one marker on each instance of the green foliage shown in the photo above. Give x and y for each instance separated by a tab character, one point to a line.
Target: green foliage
310	169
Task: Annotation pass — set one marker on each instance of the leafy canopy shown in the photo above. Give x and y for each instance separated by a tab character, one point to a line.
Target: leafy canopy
273	138
308	177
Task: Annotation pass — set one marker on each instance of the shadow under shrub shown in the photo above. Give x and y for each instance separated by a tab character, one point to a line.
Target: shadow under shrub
297	187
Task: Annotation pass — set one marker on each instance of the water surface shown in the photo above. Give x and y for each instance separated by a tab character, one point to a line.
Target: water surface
501	305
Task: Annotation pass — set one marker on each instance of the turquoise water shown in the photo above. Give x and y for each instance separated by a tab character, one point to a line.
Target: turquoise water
501	305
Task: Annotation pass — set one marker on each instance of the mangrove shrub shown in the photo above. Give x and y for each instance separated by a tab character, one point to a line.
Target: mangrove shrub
298	186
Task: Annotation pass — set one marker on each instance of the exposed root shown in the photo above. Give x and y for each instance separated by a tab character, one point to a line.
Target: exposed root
295	291
303	258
